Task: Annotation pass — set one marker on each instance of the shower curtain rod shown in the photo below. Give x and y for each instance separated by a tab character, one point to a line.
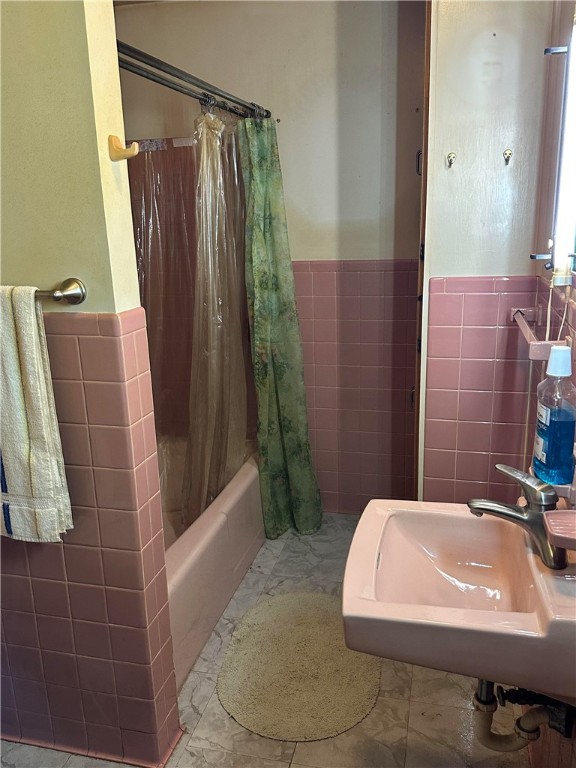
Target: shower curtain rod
129	66
208	92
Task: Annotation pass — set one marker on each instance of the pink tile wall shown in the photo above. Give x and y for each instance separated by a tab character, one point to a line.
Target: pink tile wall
86	649
358	325
477	390
476	386
552	750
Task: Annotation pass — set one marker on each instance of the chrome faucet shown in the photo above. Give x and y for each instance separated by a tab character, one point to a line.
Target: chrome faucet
539	497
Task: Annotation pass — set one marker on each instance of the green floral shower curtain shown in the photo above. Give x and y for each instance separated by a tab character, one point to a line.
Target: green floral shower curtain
290	495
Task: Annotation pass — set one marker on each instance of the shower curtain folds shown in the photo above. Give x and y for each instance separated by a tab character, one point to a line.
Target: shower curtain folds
217	407
188	211
290	494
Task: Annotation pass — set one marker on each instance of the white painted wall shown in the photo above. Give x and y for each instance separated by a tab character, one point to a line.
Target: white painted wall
65	205
486	94
327	70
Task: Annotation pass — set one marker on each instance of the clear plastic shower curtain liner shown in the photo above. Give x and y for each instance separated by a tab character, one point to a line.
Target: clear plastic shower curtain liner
217	436
188	212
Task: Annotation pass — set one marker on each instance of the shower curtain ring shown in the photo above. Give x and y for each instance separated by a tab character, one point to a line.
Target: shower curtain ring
259	112
208	101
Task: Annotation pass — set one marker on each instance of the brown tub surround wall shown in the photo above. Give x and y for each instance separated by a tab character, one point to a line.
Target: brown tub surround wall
552	750
358	326
87	661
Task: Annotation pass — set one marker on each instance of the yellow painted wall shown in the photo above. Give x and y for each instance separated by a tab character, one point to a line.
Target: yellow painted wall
328	71
65	206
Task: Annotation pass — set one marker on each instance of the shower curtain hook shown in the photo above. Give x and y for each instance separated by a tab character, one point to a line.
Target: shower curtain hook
207	101
259	112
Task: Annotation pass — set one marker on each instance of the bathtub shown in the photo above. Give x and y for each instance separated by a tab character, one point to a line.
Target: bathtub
208	562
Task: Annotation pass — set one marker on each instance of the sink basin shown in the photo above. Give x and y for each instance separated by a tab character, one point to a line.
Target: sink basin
431	584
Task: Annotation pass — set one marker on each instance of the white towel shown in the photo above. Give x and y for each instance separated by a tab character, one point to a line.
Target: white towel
35	500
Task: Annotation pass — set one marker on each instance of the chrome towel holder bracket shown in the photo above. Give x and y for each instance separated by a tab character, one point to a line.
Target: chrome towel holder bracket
72	291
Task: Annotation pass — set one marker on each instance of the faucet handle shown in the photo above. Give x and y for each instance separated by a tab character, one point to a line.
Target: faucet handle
536	492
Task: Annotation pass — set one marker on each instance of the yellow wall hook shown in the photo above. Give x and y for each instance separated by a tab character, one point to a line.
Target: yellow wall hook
118	152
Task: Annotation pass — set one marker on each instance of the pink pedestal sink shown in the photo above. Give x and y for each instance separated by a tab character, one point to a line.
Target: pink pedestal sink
431	584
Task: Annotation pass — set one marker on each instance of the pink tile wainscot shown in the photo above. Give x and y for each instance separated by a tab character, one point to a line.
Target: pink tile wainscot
477	386
86	646
358	325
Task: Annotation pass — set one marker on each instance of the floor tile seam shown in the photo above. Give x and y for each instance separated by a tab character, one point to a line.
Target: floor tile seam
249	576
411	683
273	565
302	579
260	573
294	575
193	672
282	548
186	736
205	676
265	587
180	749
309	559
302	765
440	704
215	663
191	733
16	746
282	763
221	748
257	592
382	695
328	583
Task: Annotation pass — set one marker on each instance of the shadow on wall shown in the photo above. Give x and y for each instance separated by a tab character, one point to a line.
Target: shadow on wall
358	310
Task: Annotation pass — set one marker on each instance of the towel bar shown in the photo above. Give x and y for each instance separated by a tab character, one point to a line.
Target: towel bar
537	349
70	290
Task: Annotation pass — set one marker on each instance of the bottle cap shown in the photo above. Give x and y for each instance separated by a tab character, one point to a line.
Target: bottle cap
559	362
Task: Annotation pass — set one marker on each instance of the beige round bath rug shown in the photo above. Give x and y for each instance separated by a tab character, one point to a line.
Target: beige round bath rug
288	675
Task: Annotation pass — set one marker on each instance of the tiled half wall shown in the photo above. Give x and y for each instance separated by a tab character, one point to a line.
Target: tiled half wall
477	392
86	649
476	386
358	325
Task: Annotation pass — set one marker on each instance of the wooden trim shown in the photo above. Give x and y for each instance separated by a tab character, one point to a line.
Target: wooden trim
419	317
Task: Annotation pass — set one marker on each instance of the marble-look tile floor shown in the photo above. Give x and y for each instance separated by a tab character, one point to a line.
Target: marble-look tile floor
422	719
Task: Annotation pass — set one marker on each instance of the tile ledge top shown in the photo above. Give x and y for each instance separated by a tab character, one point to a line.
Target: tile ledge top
483	284
95	323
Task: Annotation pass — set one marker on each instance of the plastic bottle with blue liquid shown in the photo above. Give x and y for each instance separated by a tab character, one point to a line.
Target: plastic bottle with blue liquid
553	460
